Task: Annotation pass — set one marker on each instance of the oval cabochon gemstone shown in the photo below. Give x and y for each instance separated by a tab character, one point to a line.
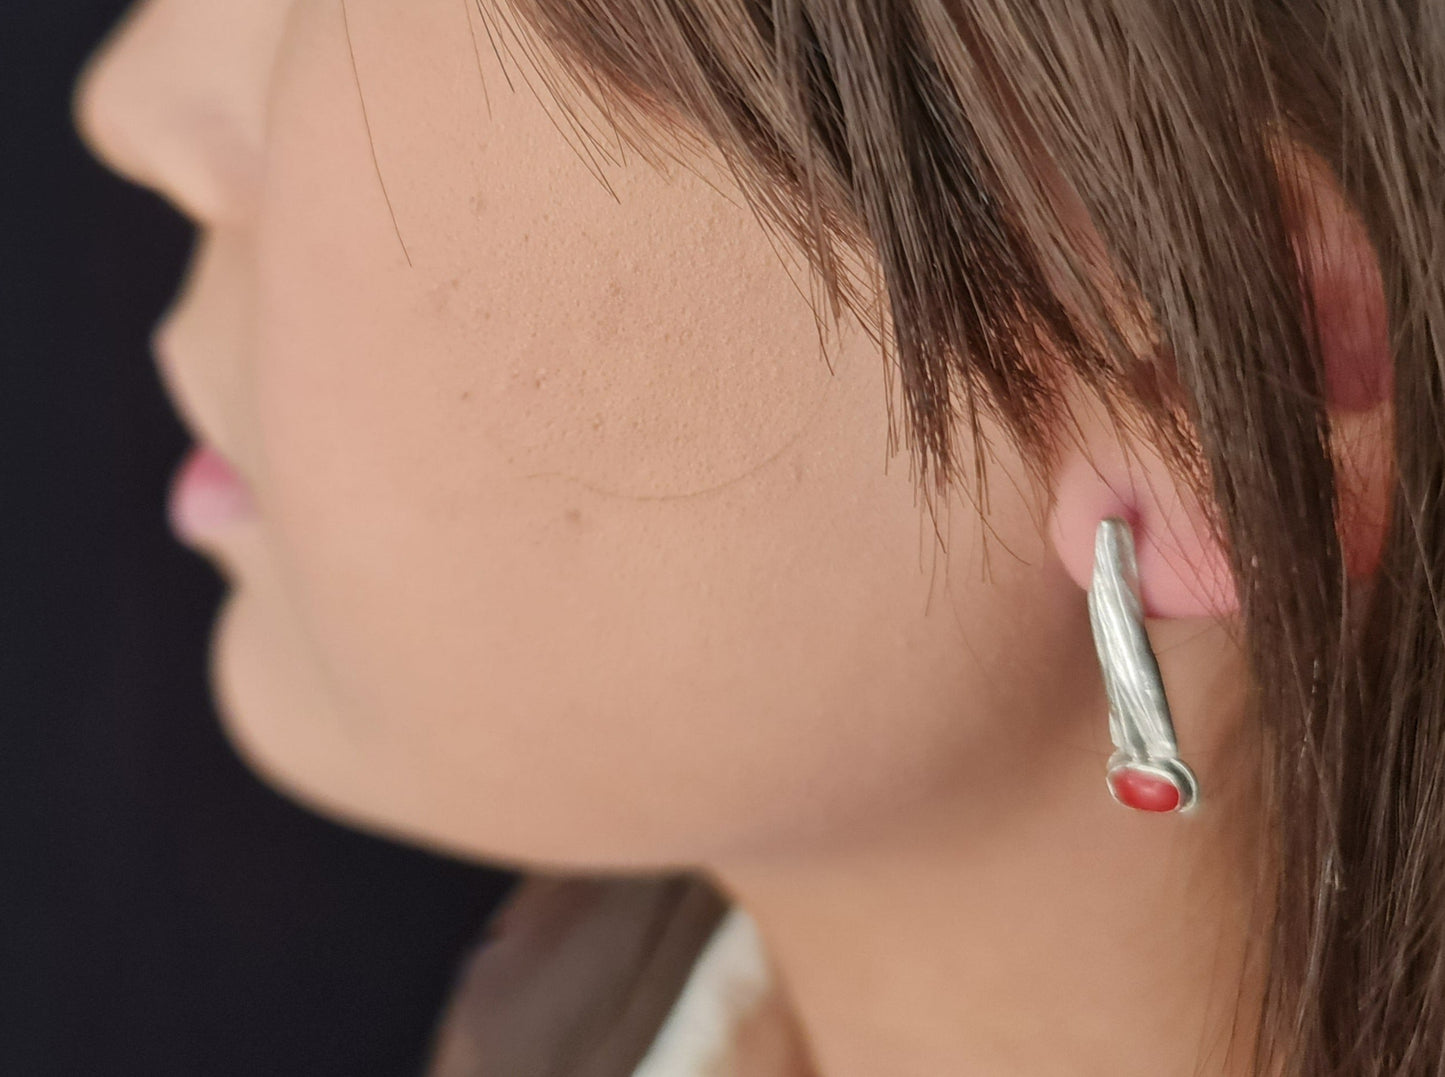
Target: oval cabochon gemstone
1145	791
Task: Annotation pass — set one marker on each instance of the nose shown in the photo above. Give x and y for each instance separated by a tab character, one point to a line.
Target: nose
174	100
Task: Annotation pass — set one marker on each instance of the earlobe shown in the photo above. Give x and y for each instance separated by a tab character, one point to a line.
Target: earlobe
1183	572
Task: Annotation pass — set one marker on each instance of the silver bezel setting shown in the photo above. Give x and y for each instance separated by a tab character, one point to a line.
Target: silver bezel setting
1174	771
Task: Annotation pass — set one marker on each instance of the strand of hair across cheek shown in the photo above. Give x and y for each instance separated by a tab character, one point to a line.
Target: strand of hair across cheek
370	140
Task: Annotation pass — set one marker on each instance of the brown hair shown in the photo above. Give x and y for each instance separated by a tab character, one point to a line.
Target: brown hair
914	130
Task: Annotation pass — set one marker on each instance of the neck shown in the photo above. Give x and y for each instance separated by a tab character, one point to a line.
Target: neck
1061	935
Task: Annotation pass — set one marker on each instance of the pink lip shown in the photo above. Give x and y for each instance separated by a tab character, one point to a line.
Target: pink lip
207	495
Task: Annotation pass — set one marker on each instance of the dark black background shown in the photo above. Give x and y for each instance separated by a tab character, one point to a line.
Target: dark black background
161	911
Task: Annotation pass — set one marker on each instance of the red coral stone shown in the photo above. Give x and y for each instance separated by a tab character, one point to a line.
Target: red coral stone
1145	791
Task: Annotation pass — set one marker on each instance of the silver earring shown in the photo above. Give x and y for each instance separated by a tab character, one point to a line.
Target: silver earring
1145	772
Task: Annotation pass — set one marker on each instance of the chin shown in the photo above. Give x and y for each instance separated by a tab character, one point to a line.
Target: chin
251	675
285	726
280	720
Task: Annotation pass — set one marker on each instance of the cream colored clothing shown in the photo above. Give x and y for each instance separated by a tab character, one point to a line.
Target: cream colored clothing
730	980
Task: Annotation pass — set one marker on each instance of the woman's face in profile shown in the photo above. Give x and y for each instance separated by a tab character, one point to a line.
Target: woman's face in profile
568	545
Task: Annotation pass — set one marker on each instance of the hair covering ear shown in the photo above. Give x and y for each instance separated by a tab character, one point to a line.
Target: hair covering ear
1340	270
1183	572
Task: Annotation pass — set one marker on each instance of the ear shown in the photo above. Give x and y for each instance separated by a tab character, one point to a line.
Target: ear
1182	571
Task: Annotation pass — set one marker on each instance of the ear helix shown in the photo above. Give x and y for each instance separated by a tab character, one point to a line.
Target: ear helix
1145	771
1340	270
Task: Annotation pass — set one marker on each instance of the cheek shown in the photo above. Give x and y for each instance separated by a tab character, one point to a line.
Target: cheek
648	362
569	508
488	441
447	244
483	420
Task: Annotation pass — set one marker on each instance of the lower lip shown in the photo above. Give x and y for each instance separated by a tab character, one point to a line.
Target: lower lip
207	496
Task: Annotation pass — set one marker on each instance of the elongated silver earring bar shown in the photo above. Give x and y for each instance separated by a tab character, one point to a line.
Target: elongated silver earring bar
1145	771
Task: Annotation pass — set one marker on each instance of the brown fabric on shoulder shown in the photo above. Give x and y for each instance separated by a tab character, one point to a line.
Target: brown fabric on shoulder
575	977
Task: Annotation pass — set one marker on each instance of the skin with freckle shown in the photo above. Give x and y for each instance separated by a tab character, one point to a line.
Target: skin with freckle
570	548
